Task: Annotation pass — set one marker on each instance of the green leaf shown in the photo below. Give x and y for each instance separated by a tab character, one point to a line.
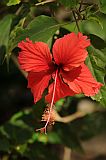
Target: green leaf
102	18
21	148
42	28
70	139
5	26
102	5
69	3
96	19
4	141
93	27
71	27
59	104
103	93
40	151
96	62
91	125
18	135
18	28
13	2
53	138
4	144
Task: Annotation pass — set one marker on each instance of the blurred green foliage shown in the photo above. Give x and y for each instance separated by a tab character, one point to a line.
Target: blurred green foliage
22	19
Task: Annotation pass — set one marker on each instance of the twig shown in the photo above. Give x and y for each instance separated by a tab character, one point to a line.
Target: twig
76	21
69	118
44	2
14	59
78	14
80	5
19	10
67	154
85	3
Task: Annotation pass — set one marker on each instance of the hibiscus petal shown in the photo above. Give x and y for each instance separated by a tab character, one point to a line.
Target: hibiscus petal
62	90
34	56
38	81
69	51
80	80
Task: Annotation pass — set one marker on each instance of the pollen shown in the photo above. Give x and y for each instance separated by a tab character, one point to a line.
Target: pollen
48	113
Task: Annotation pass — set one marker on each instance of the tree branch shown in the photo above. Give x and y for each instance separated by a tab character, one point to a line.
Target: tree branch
44	2
76	21
67	154
69	118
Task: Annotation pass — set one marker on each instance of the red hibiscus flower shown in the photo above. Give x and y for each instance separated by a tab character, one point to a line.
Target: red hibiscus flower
65	66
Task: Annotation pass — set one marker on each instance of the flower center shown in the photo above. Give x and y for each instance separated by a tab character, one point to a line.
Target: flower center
60	65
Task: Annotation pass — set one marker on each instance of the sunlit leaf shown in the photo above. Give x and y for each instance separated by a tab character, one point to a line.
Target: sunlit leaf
13	2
